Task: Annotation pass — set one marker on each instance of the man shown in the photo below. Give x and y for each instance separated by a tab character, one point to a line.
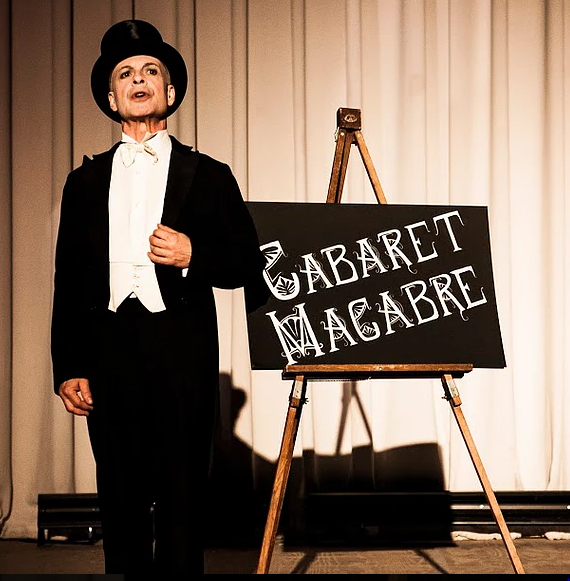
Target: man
147	229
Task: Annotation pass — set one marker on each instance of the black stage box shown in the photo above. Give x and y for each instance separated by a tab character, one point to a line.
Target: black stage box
394	518
71	517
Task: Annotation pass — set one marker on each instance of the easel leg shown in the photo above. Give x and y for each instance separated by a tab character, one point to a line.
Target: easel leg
376	186
452	395
344	140
296	401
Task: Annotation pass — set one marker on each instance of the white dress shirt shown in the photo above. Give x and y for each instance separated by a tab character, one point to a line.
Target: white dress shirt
136	200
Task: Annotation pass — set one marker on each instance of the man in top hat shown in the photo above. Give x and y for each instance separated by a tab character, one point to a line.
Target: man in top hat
147	229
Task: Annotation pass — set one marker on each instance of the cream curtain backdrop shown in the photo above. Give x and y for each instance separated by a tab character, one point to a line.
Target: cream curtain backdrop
463	102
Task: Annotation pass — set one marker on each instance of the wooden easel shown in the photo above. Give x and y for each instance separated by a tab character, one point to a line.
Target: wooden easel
348	133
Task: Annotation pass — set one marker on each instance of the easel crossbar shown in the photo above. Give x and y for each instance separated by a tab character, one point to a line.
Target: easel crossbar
376	371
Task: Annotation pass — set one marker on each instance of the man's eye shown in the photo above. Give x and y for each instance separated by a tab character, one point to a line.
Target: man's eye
153	71
124	74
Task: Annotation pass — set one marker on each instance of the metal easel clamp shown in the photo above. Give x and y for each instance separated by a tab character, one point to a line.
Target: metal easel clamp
348	118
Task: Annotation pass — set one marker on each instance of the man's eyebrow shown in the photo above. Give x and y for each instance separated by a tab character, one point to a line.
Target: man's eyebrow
150	63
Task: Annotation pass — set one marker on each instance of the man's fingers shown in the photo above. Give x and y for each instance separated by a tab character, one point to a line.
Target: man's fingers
167	246
165	228
158	242
76	396
74	409
158	259
163	232
164	252
85	392
162	240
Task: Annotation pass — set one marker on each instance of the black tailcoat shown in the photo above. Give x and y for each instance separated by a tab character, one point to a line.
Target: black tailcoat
202	200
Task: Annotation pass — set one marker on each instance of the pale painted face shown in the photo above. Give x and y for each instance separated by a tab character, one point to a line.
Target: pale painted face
140	89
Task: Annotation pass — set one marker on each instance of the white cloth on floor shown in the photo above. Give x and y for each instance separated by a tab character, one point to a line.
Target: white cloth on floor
471	536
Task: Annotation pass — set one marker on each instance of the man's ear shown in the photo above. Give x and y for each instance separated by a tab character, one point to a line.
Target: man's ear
112	102
170	95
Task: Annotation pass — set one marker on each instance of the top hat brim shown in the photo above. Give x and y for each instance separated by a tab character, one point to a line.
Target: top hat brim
164	52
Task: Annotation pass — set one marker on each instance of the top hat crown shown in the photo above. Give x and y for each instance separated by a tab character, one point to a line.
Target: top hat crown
132	38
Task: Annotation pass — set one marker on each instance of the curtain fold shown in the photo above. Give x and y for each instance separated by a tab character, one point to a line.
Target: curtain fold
6	495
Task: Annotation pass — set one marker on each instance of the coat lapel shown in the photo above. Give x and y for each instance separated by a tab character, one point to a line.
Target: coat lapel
180	175
98	182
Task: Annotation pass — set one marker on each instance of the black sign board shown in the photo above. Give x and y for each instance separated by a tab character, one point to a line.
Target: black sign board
375	283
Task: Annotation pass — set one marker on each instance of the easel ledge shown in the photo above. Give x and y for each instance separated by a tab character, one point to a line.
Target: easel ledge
377	371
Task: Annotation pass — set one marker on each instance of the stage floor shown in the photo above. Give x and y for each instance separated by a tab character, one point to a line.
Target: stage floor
539	555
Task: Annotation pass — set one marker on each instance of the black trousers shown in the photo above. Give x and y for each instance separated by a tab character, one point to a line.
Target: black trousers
151	433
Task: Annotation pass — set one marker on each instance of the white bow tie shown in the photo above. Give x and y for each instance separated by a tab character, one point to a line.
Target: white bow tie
129	151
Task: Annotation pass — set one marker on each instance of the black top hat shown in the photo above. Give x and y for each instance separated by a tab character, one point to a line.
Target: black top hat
131	38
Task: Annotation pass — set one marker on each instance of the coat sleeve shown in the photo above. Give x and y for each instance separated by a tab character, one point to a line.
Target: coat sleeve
69	332
225	244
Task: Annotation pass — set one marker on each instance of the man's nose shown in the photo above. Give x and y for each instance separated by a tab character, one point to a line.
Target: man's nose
138	78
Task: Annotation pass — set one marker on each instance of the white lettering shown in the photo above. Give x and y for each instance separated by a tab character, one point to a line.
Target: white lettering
441	284
391	239
392	312
367	331
416	242
465	287
336	327
369	257
334	262
296	334
414	300
281	287
314	271
446	219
